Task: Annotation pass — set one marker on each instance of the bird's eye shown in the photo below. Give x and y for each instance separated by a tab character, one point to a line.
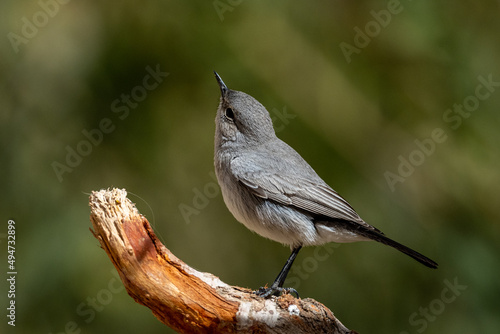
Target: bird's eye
229	113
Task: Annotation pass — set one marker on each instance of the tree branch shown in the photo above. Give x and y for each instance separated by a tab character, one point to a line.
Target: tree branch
187	300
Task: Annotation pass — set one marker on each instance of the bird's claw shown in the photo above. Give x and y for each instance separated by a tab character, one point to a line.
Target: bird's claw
275	291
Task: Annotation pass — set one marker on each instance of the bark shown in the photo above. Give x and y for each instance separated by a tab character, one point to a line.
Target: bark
187	300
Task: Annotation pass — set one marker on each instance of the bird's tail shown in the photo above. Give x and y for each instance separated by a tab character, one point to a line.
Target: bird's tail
408	251
380	237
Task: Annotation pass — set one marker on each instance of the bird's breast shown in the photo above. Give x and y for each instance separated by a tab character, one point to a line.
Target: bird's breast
264	217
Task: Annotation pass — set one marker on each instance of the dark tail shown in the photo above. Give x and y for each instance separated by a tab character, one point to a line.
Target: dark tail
380	237
402	248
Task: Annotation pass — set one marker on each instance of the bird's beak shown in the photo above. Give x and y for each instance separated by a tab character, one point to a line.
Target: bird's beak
222	85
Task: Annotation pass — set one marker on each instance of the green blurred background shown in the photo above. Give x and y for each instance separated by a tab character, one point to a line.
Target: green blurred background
66	67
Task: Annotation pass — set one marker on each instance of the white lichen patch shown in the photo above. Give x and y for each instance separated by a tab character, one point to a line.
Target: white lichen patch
293	310
246	315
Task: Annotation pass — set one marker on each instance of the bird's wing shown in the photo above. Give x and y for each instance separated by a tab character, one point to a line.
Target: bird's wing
319	200
316	198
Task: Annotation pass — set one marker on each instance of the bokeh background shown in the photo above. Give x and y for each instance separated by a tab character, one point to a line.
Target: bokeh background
350	85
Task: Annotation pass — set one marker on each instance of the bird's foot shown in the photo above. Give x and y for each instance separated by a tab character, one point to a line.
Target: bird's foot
275	291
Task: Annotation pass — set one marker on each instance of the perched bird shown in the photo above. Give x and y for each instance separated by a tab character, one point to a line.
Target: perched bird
274	192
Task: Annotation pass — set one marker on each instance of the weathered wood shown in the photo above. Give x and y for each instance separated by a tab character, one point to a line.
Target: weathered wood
187	300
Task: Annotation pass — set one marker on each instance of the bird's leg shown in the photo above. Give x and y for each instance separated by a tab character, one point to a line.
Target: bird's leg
277	286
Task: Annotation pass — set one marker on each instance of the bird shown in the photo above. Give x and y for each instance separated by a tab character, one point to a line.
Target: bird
273	191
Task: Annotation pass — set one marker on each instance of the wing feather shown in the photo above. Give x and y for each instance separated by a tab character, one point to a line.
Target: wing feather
314	197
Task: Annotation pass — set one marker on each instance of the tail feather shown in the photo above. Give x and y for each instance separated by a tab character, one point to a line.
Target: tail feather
380	237
402	248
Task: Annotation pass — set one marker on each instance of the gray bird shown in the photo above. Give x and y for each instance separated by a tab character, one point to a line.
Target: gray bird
274	192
